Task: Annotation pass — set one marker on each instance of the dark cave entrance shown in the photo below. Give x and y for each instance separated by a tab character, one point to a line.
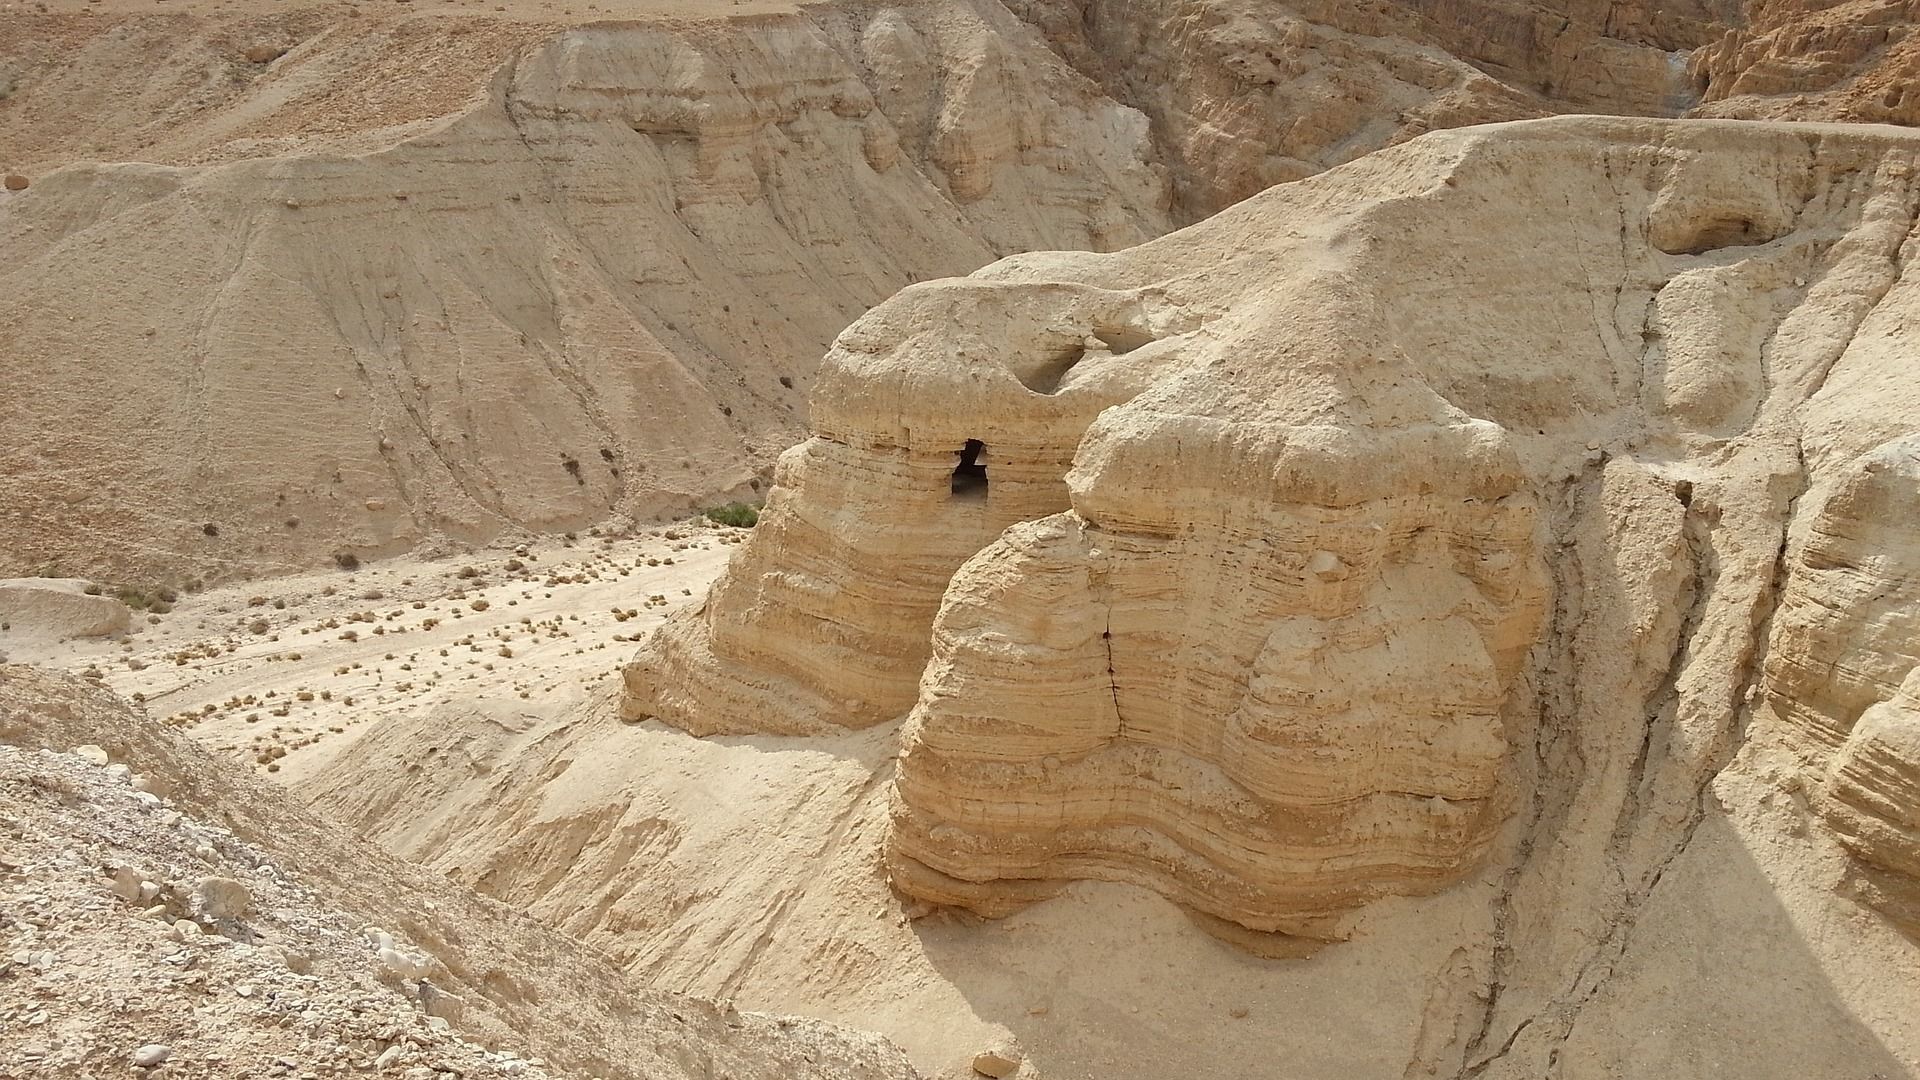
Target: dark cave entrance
970	476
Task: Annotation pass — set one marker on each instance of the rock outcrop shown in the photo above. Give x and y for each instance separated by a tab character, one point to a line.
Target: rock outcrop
1225	564
582	273
45	608
1845	666
594	286
1792	59
1243	96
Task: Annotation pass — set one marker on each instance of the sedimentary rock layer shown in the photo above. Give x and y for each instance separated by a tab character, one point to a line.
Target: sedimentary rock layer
1845	666
1225	563
594	287
376	278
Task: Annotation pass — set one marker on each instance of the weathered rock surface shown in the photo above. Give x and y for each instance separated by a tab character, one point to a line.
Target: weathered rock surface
575	273
1243	96
58	608
594	286
271	964
1792	59
1282	650
1845	664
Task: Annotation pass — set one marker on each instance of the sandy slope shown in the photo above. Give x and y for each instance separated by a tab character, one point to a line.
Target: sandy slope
757	860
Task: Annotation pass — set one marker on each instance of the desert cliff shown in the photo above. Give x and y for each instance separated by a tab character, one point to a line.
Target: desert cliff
1277	551
579	268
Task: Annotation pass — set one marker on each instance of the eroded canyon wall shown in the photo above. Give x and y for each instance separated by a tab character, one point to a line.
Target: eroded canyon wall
567	273
595	286
1389	541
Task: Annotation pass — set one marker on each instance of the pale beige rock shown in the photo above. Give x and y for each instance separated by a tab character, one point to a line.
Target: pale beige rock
1679	421
1845	664
1270	661
996	1063
1873	803
220	898
663	224
46	608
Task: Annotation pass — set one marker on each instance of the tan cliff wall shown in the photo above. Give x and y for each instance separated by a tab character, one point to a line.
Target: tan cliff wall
1246	95
1788	59
637	233
599	291
1243	658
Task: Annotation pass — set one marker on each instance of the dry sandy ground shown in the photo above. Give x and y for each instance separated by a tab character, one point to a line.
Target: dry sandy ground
287	671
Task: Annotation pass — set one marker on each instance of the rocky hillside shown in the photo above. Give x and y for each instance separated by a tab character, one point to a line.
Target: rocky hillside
1855	60
595	287
334	282
170	916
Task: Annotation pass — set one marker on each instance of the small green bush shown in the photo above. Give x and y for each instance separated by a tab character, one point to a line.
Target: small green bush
737	514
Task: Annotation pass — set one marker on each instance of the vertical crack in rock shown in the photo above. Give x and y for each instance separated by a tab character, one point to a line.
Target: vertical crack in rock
1696	589
1554	677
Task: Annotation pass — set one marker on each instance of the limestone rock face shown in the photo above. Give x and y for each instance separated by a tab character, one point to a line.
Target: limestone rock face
1873	803
840	609
1248	95
594	286
1848	631
1268	685
240	858
1802	60
1845	666
1248	564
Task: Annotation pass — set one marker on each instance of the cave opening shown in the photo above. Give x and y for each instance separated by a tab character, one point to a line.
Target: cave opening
970	476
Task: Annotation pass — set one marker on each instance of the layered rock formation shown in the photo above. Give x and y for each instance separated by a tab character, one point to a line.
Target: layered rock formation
1281	652
1855	60
583	272
1845	667
594	287
949	413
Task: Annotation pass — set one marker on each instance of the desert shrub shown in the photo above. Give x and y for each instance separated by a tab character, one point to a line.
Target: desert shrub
737	514
136	597
346	560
